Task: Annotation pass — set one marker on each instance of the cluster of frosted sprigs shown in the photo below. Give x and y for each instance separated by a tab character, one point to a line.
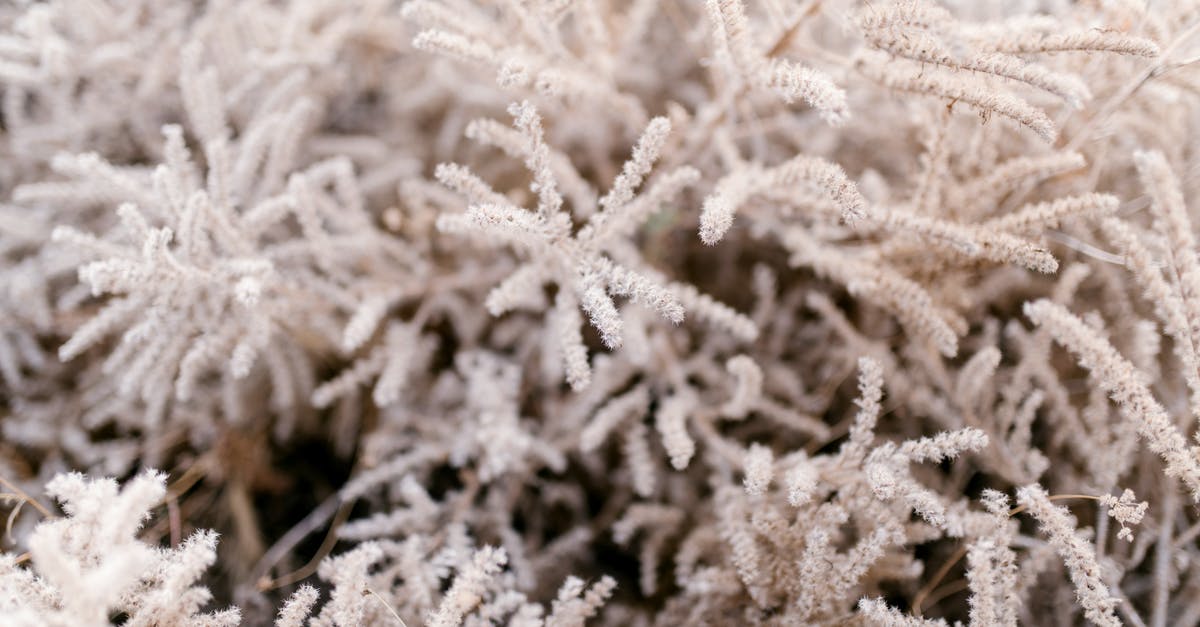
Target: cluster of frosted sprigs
616	312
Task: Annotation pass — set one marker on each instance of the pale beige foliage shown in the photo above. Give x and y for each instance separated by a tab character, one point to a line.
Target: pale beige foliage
599	312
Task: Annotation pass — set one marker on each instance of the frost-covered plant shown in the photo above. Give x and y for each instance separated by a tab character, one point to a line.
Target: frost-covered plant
90	565
627	312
